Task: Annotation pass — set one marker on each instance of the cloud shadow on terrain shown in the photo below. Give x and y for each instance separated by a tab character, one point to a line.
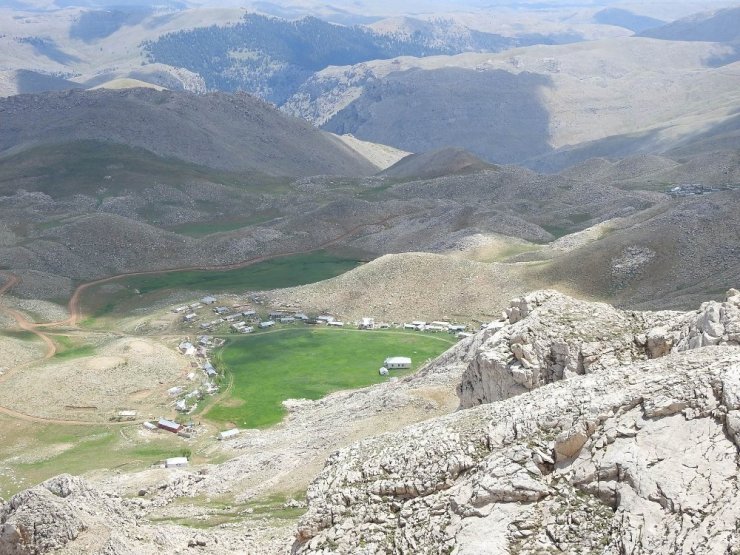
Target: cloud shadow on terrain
33	82
497	115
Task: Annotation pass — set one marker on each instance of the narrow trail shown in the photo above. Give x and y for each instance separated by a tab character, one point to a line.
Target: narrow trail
42	420
23	322
73	306
74	310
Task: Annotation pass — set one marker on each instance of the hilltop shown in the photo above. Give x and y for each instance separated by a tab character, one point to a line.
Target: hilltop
437	163
226	132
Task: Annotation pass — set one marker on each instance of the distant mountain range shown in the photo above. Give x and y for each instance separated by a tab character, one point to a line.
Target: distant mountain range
544	106
272	57
230	49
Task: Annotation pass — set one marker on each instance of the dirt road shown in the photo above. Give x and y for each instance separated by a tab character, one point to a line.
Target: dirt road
73	306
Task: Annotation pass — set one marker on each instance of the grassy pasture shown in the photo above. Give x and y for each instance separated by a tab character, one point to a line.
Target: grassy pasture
32	452
267	368
287	271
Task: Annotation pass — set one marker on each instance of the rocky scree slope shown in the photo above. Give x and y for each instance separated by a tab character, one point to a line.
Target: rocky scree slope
626	441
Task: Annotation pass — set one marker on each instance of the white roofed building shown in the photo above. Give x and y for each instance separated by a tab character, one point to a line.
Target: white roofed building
397	363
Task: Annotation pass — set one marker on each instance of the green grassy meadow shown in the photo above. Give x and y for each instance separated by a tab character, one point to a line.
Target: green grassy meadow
287	271
68	348
267	368
32	452
282	272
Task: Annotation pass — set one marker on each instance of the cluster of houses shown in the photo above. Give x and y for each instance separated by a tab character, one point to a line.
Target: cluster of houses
187	402
438	326
695	189
242	319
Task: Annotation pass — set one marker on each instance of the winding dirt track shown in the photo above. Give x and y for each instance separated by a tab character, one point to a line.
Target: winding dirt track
51	349
24	323
75	312
73	306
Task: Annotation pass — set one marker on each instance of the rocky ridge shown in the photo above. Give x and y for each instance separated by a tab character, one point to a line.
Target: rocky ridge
632	447
581	428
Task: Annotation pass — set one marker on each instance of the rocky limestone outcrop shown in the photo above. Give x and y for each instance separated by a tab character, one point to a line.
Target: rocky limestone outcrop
637	459
546	337
714	323
49	516
584	429
68	516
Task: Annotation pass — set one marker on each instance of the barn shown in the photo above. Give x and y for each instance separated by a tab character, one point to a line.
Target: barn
169	425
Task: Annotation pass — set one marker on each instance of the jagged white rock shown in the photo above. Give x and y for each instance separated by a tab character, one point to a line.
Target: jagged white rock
632	446
581	428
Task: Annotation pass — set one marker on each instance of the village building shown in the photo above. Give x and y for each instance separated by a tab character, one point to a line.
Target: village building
325	318
127	415
169	425
208	300
335	324
221	310
228	434
433	327
195	306
277	315
383	371
287	320
209	370
151	426
267	324
176	462
204	340
187	348
397	363
300	316
181	406
179	309
249	314
457	327
247	329
367	324
190	317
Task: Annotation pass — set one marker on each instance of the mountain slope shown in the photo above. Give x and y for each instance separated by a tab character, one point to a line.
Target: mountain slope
691	137
272	56
669	258
718	26
627	19
438	163
522	105
236	133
